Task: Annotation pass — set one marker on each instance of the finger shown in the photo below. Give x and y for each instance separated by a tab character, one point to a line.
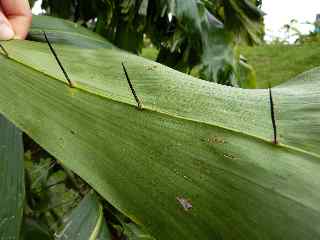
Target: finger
18	13
6	32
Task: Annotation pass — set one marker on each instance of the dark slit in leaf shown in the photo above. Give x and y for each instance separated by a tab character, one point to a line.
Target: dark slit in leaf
131	87
273	119
58	61
4	51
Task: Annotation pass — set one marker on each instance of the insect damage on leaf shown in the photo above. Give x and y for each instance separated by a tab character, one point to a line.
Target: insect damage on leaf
215	140
4	51
131	87
185	203
58	60
152	67
274	126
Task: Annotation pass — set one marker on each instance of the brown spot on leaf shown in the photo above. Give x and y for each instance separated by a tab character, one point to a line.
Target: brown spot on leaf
152	67
215	140
185	203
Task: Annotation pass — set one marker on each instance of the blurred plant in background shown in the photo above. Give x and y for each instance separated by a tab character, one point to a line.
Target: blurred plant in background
292	33
192	34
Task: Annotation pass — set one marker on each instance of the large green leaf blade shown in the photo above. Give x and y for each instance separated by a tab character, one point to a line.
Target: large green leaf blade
160	89
11	180
197	163
297	103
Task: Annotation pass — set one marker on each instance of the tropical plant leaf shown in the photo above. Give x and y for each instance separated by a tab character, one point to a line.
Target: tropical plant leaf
244	18
219	63
11	180
86	222
248	74
203	40
65	32
198	162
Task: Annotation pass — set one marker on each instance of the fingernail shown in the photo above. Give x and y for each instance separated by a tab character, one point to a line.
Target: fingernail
6	33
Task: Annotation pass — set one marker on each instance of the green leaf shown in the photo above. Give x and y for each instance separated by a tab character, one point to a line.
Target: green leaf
245	19
248	78
65	32
11	180
203	39
218	60
198	162
86	222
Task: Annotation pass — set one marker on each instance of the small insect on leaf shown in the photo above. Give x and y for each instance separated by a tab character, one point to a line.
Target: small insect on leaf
185	203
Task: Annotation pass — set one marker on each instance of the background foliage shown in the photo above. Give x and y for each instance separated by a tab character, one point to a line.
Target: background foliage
188	33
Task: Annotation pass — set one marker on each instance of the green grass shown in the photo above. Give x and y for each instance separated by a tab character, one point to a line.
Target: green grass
273	63
279	63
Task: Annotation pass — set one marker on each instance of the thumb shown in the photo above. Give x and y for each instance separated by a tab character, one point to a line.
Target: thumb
6	32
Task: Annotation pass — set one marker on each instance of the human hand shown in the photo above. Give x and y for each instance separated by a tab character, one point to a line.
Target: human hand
15	19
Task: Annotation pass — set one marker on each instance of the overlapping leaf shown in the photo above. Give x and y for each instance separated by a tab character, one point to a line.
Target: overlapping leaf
86	222
11	180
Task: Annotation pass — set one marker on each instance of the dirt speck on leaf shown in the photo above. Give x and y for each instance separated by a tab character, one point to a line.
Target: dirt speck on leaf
215	140
185	203
152	67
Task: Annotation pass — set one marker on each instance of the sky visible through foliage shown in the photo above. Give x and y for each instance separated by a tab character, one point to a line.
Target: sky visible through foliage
282	12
